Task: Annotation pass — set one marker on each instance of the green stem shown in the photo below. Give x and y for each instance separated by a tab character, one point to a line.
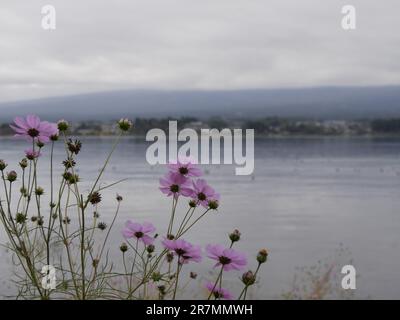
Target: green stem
216	282
178	270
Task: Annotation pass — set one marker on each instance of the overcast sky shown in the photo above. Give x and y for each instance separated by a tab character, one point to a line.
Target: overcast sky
194	44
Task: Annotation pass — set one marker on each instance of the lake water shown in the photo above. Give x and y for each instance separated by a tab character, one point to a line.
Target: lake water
307	196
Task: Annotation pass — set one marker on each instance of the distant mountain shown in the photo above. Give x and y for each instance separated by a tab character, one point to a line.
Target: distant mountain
323	102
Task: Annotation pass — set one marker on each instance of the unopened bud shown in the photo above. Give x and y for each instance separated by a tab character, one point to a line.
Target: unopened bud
12	176
125	124
262	256
62	125
235	235
123	247
248	278
3	165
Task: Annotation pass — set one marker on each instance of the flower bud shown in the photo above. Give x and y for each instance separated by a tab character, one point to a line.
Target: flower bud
40	144
262	256
235	235
23	191
12	176
62	125
169	257
125	124
54	137
162	289
119	198
248	278
193	203
123	247
40	221
213	204
20	218
23	163
39	191
156	276
150	248
3	165
193	275
95	263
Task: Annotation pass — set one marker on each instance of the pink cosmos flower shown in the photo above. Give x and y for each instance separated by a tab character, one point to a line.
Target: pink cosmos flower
228	258
184	250
203	193
219	293
139	231
32	128
175	184
32	154
185	167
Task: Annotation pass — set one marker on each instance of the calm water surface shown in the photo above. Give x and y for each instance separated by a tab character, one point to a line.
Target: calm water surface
306	197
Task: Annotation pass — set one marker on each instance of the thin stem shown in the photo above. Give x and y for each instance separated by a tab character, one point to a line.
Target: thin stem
178	270
216	282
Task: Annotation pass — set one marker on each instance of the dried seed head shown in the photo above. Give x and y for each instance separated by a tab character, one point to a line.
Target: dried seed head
74	146
69	163
102	226
66	220
94	198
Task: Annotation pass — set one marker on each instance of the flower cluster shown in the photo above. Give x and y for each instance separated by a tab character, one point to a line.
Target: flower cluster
183	180
180	181
84	264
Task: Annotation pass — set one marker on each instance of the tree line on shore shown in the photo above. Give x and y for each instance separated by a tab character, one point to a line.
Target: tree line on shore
269	126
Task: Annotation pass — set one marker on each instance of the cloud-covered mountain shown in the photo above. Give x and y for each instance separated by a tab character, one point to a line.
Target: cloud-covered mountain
324	102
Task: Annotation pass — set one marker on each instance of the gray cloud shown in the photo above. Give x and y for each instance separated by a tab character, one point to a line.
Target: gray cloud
190	44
